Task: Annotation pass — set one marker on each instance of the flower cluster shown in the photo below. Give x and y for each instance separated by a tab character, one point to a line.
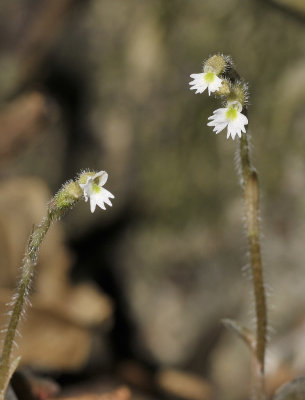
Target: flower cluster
230	116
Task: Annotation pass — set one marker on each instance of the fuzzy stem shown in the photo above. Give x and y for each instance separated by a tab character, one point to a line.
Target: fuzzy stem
27	271
70	193
251	201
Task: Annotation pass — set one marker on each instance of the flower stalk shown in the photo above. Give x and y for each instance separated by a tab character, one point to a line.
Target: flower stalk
87	185
251	204
27	271
233	90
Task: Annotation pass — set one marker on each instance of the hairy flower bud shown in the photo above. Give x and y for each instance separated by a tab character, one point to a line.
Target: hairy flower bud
67	196
239	92
225	88
216	63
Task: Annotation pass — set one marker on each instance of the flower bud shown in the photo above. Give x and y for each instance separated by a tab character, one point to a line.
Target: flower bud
239	93
225	88
83	177
216	64
70	193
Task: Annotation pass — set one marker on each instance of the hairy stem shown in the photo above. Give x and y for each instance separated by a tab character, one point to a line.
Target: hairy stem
251	201
70	193
27	271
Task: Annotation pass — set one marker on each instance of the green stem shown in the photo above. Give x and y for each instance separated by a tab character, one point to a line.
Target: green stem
65	199
27	271
251	201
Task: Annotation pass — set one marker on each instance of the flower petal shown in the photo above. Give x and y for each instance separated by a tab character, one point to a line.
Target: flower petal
92	204
103	177
215	85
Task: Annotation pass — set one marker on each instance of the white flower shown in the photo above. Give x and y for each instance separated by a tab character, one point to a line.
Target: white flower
230	117
93	189
207	79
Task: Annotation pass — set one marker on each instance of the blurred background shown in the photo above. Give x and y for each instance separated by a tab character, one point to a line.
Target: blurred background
135	294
